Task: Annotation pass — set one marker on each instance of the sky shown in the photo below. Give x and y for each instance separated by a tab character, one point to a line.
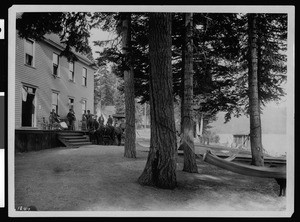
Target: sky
99	35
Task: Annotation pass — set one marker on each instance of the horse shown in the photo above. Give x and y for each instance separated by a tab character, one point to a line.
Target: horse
109	135
105	135
118	133
94	126
93	136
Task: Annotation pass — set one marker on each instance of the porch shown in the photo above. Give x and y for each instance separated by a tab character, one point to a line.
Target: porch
36	139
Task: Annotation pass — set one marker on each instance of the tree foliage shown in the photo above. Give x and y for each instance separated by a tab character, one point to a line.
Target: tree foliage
272	45
104	87
73	29
221	69
220	52
138	52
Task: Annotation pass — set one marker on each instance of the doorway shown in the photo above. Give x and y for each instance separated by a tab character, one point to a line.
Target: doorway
28	106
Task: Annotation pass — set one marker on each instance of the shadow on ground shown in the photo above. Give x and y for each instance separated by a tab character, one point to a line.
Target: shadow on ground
99	178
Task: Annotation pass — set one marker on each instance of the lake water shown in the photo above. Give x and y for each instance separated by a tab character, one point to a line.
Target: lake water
274	144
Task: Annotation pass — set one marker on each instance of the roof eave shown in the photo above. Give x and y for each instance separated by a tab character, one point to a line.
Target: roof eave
80	57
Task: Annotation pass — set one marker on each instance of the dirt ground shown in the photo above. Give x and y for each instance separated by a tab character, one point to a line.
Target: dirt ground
99	178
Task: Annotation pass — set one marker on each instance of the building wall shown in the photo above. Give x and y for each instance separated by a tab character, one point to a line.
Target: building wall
40	76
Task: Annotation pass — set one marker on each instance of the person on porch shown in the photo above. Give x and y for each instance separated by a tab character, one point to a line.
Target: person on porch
83	121
89	119
54	120
71	118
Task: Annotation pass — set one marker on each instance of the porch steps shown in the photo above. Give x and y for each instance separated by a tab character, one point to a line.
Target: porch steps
73	138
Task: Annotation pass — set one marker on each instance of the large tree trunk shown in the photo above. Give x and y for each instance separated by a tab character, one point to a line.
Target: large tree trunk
254	104
187	142
160	169
130	149
183	50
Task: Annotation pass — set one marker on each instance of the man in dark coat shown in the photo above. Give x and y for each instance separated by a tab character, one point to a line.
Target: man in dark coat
71	118
109	121
89	119
93	131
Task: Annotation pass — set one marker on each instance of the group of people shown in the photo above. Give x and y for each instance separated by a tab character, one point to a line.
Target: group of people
90	121
54	120
56	123
96	129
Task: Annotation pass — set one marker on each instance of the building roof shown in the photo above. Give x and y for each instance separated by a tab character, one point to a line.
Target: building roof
241	134
119	115
54	40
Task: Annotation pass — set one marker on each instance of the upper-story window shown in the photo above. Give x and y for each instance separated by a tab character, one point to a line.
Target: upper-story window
71	72
29	52
55	64
84	76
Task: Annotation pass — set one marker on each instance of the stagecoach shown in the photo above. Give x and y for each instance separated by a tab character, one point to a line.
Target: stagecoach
119	120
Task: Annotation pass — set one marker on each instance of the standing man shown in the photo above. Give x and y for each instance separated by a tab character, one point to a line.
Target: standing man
71	118
101	120
54	116
109	121
54	120
83	121
95	123
89	118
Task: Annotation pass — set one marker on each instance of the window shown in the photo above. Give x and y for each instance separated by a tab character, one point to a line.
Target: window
71	103
55	101
83	106
55	64
28	48
84	76
71	71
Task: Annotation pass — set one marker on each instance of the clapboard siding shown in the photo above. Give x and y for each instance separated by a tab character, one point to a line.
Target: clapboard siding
41	77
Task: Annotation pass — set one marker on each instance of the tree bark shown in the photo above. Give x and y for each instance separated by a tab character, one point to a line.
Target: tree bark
130	137
187	142
254	103
160	169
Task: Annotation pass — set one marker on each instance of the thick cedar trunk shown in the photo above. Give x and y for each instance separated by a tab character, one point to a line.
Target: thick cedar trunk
160	169
183	49
254	104
187	142
130	149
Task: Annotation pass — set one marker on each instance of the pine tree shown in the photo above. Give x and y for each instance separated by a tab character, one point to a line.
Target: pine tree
130	150
189	164
160	169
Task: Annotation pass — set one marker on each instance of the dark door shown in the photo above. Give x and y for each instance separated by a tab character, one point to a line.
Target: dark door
28	107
